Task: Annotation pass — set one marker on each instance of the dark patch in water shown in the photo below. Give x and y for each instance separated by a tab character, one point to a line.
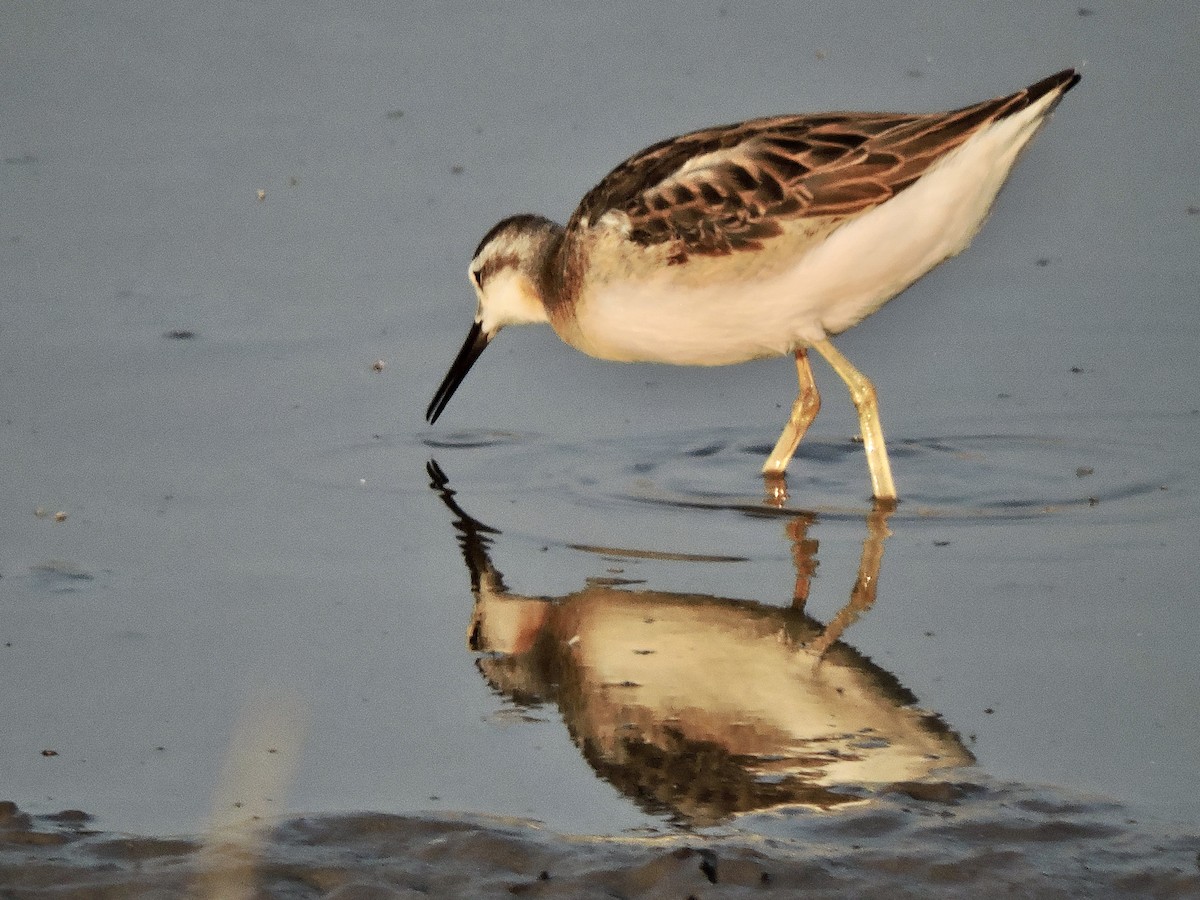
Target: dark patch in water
59	577
475	438
705	451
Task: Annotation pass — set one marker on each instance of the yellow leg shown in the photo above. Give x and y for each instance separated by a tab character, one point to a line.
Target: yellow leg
804	410
862	392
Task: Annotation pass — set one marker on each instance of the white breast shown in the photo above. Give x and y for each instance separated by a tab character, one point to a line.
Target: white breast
831	286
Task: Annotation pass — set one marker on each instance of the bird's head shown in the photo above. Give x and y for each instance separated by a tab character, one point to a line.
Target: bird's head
507	274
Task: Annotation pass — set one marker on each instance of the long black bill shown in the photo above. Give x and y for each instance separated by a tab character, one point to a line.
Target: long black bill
471	348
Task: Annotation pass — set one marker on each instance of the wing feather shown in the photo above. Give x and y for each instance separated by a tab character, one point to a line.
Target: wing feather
721	190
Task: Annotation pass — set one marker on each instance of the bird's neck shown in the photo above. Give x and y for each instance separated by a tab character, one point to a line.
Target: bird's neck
548	271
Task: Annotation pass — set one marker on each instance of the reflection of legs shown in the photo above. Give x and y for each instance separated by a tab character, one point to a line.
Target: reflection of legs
862	597
862	392
804	558
804	410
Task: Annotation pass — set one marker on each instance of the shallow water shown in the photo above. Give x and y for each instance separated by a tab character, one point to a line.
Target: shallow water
187	375
910	842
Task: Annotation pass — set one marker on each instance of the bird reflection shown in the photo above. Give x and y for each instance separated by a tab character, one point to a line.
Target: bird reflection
701	707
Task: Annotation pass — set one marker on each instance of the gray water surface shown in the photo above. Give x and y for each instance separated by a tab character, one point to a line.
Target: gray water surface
187	373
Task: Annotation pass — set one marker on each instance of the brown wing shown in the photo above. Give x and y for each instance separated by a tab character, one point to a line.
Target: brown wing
721	190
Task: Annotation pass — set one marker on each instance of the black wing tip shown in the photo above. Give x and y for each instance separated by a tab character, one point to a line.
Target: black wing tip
1060	81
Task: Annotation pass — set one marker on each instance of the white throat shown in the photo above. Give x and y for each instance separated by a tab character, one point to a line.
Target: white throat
510	298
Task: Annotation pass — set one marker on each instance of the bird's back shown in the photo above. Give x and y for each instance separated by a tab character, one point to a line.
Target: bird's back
749	240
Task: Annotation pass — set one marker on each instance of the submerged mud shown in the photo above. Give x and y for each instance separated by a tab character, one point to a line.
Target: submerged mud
913	840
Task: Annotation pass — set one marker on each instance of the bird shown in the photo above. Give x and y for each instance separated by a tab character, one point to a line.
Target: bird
759	239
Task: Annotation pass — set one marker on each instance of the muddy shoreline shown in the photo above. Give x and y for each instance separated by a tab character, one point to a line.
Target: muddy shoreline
914	840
